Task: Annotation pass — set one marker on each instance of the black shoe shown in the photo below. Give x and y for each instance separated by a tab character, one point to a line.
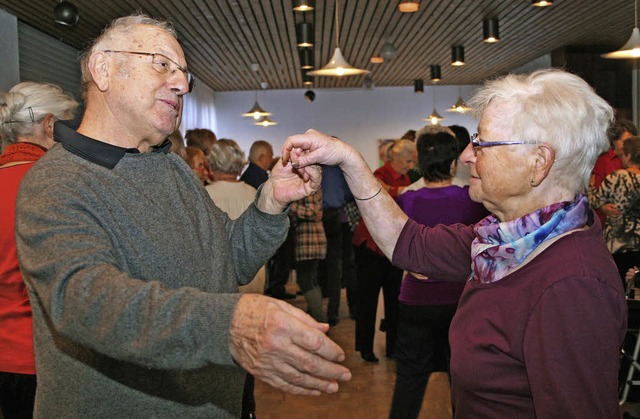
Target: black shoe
369	357
383	325
283	296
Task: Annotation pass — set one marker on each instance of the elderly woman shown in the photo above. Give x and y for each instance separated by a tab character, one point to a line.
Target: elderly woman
228	192
542	316
27	114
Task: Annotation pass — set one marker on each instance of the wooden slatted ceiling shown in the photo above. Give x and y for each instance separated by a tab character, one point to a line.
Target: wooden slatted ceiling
222	38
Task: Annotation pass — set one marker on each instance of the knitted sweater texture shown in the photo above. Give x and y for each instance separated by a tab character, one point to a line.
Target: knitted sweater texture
133	275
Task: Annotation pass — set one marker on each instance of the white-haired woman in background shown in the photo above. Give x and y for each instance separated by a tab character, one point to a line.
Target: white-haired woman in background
542	317
27	114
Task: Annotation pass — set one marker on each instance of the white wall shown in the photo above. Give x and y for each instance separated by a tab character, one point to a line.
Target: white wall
358	116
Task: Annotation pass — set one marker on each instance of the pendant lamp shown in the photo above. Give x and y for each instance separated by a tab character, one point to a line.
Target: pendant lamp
256	111
434	117
265	122
632	48
338	66
460	106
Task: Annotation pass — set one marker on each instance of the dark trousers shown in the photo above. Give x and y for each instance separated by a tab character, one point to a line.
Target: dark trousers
17	395
349	279
331	266
248	397
280	265
374	272
422	347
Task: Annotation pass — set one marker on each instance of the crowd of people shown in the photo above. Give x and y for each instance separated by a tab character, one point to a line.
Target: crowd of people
144	271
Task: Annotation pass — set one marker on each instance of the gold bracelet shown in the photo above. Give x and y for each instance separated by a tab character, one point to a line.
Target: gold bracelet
371	197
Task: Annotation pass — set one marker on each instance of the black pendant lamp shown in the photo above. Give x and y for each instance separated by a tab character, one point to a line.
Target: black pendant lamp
457	55
490	30
304	34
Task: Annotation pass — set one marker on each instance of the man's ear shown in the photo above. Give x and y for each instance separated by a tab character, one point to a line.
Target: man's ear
543	161
100	69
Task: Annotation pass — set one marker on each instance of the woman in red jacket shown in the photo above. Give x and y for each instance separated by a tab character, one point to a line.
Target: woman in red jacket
27	114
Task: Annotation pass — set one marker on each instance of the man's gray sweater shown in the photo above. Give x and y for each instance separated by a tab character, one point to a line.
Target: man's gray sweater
133	276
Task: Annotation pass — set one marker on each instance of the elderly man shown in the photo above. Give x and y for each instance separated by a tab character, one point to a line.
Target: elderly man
132	271
260	159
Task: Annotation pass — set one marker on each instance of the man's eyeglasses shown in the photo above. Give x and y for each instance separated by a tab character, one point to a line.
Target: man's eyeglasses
476	143
162	64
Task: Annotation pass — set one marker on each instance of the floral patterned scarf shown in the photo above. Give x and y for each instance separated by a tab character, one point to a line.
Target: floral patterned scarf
500	247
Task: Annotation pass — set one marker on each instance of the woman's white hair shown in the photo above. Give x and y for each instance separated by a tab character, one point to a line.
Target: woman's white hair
402	147
226	157
26	105
557	108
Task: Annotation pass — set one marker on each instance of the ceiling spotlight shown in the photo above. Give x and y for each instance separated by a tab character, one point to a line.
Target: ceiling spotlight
303	5
436	74
541	3
377	60
310	95
457	55
408	6
306	58
66	13
418	86
304	34
490	31
307	79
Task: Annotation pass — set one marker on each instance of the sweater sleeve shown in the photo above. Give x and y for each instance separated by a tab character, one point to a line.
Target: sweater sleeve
442	251
255	237
571	347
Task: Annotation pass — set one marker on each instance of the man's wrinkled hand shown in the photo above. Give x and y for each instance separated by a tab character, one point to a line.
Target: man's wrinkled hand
285	347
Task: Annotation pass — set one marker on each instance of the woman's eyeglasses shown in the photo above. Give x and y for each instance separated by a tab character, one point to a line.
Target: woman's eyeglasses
162	64
476	143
